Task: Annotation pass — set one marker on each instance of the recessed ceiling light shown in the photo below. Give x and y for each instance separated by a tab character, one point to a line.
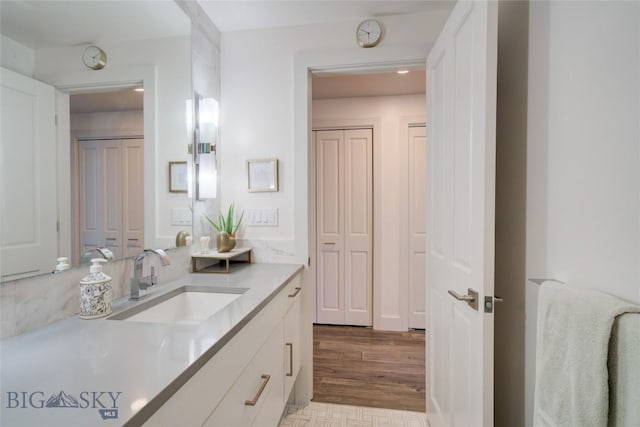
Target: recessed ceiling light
403	71
139	89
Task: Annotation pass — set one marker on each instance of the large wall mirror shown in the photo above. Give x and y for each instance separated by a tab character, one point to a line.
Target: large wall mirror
92	158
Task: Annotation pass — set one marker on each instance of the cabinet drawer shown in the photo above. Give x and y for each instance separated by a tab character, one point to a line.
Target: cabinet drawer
256	398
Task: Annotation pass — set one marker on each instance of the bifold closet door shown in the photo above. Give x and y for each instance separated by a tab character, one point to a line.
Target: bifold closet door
344	188
112	195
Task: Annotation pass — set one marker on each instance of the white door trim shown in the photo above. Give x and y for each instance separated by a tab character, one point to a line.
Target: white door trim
304	62
405	123
81	81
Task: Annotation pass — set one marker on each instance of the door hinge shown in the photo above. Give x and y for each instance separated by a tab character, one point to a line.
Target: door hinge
55	119
58	226
309	262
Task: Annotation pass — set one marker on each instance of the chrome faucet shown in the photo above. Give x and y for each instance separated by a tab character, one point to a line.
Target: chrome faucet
99	251
138	281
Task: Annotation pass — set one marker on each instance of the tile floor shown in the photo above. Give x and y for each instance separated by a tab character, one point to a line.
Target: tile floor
331	415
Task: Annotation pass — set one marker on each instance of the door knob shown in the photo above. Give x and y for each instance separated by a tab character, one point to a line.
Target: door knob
470	298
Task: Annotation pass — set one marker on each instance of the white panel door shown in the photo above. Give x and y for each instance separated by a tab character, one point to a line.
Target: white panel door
28	238
110	192
112	195
133	196
461	73
417	225
358	221
91	205
344	226
330	227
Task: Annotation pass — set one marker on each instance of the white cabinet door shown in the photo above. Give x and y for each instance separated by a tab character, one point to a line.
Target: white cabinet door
28	238
344	191
461	100
292	349
417	225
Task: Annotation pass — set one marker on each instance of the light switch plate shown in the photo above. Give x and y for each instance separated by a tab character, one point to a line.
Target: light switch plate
180	216
265	217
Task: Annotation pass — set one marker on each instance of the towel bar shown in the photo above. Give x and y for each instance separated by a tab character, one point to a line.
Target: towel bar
539	281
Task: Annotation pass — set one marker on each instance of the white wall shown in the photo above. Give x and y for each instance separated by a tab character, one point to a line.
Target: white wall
16	57
583	156
258	113
390	116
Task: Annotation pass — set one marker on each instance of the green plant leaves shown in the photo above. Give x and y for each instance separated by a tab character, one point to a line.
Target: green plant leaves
225	224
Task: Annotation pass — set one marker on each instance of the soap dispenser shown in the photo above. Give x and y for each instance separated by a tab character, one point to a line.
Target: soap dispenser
96	292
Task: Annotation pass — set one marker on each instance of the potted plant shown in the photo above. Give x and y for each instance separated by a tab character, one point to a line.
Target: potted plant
226	228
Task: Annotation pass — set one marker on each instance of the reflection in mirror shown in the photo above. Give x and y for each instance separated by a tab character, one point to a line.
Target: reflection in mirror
60	197
107	141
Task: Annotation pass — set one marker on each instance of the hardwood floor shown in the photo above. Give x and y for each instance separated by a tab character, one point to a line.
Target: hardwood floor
362	367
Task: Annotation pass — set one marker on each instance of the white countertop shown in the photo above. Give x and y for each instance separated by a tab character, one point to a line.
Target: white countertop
93	360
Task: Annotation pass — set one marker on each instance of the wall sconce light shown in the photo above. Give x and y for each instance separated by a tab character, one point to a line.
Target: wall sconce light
204	152
190	132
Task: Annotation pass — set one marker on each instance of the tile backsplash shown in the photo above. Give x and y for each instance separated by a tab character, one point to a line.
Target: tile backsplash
34	302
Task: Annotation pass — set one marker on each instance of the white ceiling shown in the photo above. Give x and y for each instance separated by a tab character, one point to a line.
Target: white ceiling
251	14
59	23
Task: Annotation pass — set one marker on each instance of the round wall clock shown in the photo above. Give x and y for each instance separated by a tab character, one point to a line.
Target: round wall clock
94	58
369	33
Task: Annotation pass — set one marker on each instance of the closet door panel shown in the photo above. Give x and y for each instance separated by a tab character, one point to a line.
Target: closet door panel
358	178
330	229
417	226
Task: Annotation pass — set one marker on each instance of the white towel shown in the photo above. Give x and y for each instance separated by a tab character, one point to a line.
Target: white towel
574	327
624	371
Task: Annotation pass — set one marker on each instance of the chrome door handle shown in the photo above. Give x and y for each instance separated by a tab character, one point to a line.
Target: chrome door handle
470	298
496	298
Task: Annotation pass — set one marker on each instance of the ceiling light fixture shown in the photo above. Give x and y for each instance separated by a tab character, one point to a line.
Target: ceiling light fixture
403	71
139	89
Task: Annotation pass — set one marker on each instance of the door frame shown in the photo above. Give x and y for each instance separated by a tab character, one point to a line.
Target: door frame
383	58
74	82
346	124
407	122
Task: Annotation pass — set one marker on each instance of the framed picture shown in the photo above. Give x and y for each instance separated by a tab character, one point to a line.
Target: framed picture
262	175
177	177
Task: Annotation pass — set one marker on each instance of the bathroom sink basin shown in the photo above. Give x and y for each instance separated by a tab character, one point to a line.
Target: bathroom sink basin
188	304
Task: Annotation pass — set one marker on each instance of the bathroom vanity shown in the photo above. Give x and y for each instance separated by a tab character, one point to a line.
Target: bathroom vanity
236	367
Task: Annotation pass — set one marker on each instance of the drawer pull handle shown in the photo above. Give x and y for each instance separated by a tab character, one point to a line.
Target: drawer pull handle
293	295
265	380
290	373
